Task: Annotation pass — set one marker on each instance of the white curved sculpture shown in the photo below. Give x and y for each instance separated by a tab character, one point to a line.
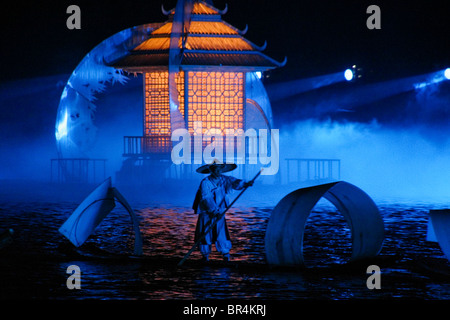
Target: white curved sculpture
88	215
285	230
439	229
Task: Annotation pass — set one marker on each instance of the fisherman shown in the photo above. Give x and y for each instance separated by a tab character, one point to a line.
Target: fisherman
211	201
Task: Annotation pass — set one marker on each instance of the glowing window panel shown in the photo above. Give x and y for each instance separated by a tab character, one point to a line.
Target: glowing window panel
157	111
217	100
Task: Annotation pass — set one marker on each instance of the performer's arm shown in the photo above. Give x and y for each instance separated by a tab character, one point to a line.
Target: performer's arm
239	184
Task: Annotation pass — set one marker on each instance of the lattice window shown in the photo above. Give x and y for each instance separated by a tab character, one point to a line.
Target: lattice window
157	110
217	100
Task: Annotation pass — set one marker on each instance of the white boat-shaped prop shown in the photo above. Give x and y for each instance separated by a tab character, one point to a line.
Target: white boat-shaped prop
88	215
286	227
439	229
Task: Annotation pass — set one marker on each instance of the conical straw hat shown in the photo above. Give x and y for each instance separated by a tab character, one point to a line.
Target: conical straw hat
223	167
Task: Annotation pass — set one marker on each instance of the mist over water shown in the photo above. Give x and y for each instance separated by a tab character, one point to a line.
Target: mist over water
390	146
27	131
396	146
27	122
383	161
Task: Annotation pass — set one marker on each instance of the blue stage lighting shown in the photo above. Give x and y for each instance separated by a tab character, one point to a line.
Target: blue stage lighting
348	74
447	73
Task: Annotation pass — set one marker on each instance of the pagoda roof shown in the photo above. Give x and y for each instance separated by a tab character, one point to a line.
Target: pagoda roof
209	42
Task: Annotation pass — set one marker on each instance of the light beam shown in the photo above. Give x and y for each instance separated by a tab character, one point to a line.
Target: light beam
283	90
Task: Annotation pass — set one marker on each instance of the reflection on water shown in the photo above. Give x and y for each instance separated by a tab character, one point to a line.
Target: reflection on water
170	231
34	266
327	238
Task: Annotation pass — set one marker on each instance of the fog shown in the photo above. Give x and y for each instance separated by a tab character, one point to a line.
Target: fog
392	142
383	161
394	145
28	114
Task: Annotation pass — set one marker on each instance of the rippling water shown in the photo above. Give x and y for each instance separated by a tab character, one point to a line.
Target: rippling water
34	265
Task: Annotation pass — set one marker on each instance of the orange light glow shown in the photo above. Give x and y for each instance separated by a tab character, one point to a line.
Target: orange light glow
216	99
157	111
200	27
197	43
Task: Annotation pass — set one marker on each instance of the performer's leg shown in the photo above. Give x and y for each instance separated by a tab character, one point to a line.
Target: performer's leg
205	246
224	247
205	250
223	243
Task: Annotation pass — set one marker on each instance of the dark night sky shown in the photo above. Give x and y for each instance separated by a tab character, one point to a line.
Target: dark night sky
318	37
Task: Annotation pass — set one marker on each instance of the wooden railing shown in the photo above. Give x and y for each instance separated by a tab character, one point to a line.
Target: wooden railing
135	145
162	144
77	170
303	169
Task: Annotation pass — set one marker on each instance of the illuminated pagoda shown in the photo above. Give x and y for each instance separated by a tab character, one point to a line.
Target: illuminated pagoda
215	75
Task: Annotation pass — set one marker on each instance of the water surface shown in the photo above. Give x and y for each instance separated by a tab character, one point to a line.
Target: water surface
34	265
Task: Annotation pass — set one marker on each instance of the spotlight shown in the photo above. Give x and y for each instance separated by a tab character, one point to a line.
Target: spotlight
447	73
259	74
348	74
353	73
